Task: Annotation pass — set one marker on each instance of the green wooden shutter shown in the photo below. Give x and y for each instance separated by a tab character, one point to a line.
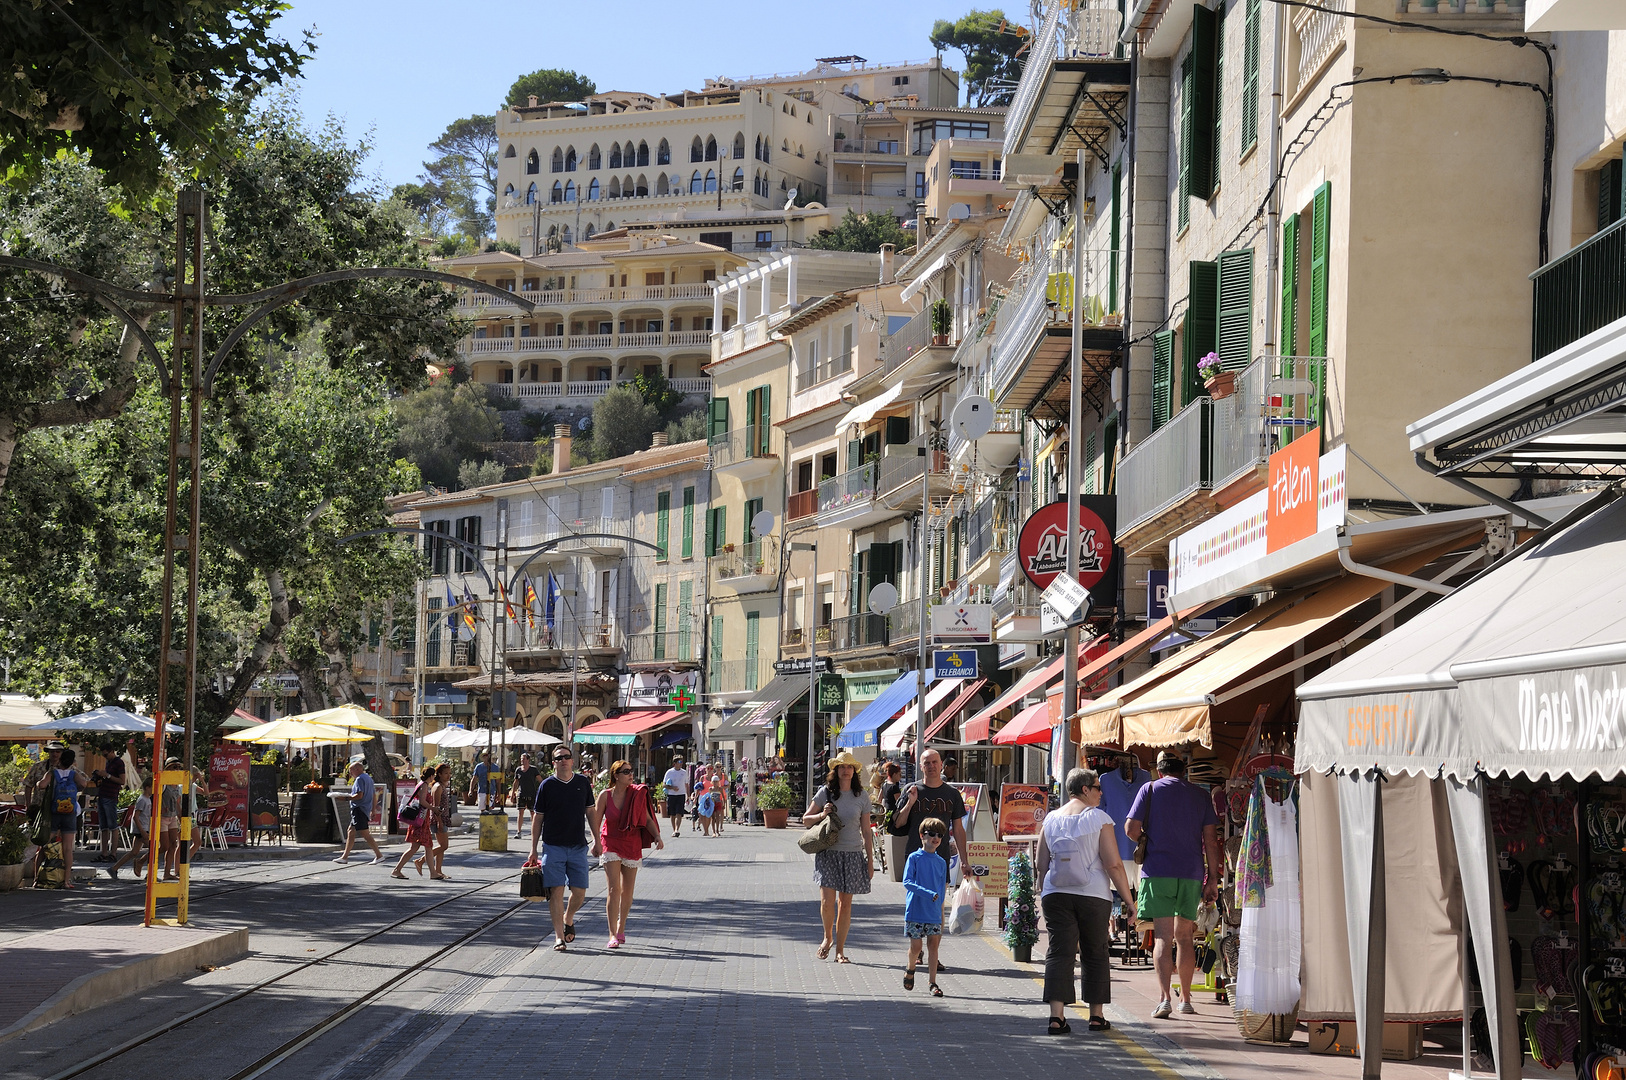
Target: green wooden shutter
372	633
660	621
897	430
750	423
716	529
1182	194
1290	286
855	454
753	507
855	587
717	420
1109	457
714	648
1609	193
685	614
881	567
1204	99
1250	75
764	420
1320	236
663	524
1202	321
688	523
1235	309
1219	95
1162	377
753	638
1117	236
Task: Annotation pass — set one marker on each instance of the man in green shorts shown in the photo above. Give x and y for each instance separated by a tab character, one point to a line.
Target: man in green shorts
1182	868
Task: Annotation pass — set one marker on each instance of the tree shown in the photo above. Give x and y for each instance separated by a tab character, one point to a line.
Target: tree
551	84
990	46
444	427
463	175
657	391
473	474
690	427
623	422
863	232
135	84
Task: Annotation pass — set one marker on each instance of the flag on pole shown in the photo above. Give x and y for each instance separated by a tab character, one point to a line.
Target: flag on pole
451	612
508	606
553	601
471	610
530	602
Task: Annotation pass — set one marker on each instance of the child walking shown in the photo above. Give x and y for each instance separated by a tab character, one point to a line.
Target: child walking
925	878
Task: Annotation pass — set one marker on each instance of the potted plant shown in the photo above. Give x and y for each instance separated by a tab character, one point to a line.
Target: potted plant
1021	917
774	800
1221	384
13	842
942	321
728	548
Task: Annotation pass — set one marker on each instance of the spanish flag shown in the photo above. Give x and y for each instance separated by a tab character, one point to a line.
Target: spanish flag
507	606
530	602
471	609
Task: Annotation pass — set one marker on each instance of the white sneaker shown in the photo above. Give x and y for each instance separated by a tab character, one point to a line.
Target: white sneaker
1187	1009
1162	1011
341	860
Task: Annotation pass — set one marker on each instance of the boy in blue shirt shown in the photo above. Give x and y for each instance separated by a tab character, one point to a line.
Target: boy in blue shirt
925	878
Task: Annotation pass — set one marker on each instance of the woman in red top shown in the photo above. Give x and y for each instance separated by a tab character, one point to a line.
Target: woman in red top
625	809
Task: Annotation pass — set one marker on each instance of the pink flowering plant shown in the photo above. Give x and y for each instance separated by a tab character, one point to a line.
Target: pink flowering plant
1208	366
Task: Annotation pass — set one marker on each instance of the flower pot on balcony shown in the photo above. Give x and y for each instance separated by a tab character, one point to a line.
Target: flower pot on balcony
940	339
775	819
1221	385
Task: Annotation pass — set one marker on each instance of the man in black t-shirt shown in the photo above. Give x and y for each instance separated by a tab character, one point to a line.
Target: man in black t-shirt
559	819
526	780
933	797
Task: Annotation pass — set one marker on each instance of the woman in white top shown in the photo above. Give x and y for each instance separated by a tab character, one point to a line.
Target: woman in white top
1078	865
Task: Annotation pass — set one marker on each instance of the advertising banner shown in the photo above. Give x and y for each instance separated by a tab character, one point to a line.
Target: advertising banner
972	794
1042	547
1022	808
228	792
963	622
990	865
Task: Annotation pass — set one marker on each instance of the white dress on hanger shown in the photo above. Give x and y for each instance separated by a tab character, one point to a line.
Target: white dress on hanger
1267	980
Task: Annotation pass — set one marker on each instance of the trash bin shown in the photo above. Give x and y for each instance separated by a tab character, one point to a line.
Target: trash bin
312	820
494	832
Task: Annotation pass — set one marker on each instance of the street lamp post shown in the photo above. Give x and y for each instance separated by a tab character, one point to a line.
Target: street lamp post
812	664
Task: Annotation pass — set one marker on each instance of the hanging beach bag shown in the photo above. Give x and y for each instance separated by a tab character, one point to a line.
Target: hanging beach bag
530	881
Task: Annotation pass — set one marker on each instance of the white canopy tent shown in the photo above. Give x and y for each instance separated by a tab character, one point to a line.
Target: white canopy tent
20	714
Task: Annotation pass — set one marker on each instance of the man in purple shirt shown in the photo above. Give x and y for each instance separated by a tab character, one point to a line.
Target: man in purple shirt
1182	864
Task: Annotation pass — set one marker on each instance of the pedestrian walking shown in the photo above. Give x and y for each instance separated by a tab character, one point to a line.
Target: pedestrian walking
62	785
925	879
675	785
443	801
109	782
201	811
933	797
717	787
482	781
526	779
360	800
624	808
844	869
1181	867
169	825
564	809
141	836
1078	864
420	828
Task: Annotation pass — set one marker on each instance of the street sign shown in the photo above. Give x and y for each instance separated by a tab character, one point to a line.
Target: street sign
955	663
1065	594
1052	621
832	693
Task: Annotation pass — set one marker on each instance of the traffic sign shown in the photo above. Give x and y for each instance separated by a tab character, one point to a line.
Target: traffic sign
955	663
1065	595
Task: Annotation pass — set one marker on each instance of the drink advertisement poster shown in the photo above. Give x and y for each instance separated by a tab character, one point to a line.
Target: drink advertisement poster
228	792
1022	808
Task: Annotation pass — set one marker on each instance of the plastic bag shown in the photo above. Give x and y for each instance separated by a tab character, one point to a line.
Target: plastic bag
968	907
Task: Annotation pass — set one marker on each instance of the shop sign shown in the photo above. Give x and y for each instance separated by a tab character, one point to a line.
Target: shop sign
990	862
263	782
652	689
963	622
1248	532
801	665
869	687
1157	595
955	663
1042	547
1022	808
832	693
228	792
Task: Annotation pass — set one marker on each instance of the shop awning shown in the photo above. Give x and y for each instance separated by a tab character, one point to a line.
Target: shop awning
673	737
921	279
1518	672
863	728
781	693
737	732
950	711
975	730
1031	725
628	726
899	730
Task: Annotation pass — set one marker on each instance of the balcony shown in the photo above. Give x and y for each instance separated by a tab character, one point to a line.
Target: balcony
795	637
878	189
571	534
669	647
1163	470
853	632
1072	50
994	452
1034	332
802	504
739	676
479	303
848	500
554	343
748	452
1277	398
898	477
830	367
747	568
1581	291
903	624
1016	606
888	147
739	338
452	655
990	536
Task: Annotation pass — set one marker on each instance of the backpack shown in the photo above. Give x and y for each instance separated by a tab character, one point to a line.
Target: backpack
1070	861
67	793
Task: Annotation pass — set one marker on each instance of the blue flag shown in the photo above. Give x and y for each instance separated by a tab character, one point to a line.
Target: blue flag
451	612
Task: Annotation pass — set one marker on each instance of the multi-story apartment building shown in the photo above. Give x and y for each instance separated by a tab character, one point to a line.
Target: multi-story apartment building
880	157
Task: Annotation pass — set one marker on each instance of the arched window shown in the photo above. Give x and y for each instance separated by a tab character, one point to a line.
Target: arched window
553	232
594	161
508	192
508	153
739	145
793	110
558	192
818	157
711	148
592	190
643	153
697	150
784	106
711	181
558	164
784	146
570	160
643	185
628	190
695	184
570	191
615	155
530	194
677	184
587	232
609	226
564	235
533	164
739	180
663	153
756	151
661	185
615	187
767	149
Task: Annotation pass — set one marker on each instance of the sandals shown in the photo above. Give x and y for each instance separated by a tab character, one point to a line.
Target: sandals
824	951
570	933
1059	1026
909	979
439	877
1099	1023
842	959
558	946
937	991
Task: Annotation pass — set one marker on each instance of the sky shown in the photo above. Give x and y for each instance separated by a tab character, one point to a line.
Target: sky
404	69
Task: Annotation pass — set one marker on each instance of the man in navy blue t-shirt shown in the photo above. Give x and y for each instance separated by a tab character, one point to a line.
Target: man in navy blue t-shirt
564	809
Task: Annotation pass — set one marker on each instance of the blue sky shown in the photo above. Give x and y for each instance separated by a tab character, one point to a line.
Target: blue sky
407	68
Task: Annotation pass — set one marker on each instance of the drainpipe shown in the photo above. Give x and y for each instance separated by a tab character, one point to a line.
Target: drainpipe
1362	569
1127	159
1273	219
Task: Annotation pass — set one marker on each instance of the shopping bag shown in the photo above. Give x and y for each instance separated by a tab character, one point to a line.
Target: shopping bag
530	882
967	913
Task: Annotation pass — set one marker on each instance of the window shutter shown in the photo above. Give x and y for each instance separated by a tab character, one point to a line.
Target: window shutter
1162	377
897	430
1236	309
1219	95
1204	99
1609	193
753	637
1183	189
663	524
764	420
685	613
660	621
1109	455
751	423
752	508
1250	75
1202	320
1320	235
717	420
1089	464
688	523
715	647
856	590
1290	285
855	454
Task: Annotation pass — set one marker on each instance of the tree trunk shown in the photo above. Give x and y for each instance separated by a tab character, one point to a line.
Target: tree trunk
345	688
283	609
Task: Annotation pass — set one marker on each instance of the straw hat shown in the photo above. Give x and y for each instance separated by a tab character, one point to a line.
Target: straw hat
846	758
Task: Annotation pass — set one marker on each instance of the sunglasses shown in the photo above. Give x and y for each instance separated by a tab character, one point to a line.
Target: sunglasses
623	772
932	835
561	757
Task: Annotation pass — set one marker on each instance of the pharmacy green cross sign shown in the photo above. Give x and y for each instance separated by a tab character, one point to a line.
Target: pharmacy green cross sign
680	699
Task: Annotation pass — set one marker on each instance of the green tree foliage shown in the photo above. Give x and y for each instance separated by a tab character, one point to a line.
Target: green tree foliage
623	422
690	427
989	45
473	474
551	84
444	427
657	391
863	232
135	84
460	182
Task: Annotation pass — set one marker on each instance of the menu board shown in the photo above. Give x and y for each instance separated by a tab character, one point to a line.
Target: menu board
263	781
228	792
972	794
1022	808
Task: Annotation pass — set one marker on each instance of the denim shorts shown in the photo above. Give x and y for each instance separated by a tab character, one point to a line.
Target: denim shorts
107	813
564	866
62	823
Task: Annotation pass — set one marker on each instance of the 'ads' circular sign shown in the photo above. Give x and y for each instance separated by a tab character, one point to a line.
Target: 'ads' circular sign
1042	546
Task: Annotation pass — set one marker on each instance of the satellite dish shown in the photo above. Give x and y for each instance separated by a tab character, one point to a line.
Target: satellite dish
959	212
973	417
790	198
762	523
582	424
883	598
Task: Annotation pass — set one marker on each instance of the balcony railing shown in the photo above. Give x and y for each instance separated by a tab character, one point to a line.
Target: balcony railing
897	470
737	675
682	646
869	146
877	188
438	653
1090	31
553	343
1166	467
1276	399
825	370
551	390
1582	290
903	624
793	636
857	632
979	529
738	338
694	290
802	504
756	559
743	444
1006	421
854	485
909	339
